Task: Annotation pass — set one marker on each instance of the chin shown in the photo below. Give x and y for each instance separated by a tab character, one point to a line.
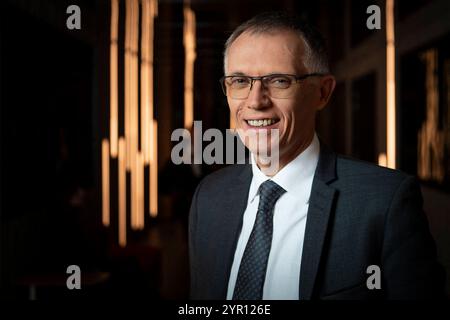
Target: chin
261	147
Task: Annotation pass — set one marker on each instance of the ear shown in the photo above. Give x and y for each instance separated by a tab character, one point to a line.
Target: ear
326	88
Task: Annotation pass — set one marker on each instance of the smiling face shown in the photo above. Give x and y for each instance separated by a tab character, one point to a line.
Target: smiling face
282	52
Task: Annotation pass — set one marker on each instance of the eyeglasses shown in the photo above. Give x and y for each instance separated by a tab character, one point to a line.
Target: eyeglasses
279	86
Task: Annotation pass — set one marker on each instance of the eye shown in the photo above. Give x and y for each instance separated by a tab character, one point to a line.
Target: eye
239	82
279	81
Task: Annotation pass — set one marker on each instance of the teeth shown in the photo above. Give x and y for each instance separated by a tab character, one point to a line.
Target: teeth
260	123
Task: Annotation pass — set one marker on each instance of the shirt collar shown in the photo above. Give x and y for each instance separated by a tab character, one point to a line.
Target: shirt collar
294	175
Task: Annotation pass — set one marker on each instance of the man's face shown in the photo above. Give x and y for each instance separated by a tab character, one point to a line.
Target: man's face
278	53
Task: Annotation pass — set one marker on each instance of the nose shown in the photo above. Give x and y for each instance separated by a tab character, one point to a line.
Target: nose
258	97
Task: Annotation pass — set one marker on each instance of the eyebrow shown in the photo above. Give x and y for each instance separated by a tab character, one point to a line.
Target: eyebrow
239	73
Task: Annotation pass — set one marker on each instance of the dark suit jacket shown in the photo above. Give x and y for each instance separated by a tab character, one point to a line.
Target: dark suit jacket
359	215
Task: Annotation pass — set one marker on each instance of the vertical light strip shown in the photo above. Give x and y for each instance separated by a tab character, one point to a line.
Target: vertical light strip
140	191
130	147
431	140
132	155
154	173
131	80
390	85
145	61
152	129
134	194
149	11
122	194
113	89
134	109
137	199
189	47
151	147
105	182
127	71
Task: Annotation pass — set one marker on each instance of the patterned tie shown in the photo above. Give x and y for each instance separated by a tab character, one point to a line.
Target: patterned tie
252	271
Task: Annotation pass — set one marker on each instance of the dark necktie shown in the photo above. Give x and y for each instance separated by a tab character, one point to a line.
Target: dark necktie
252	271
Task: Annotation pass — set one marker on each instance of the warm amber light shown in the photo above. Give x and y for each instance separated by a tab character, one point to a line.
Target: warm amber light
149	11
138	147
140	191
134	80
122	194
133	109
382	159
431	140
390	85
189	47
127	79
105	182
154	173
137	193
133	195
131	80
149	125
113	89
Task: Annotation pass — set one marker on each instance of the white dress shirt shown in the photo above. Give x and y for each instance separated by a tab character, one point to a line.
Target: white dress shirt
289	222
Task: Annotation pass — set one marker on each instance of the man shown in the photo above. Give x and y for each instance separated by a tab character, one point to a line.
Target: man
322	226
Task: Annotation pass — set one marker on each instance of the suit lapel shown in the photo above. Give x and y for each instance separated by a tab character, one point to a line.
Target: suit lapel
320	205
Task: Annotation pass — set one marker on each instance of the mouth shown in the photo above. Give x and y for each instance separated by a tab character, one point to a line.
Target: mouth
261	123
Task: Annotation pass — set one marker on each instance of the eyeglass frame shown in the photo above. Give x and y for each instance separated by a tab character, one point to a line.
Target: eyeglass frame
253	79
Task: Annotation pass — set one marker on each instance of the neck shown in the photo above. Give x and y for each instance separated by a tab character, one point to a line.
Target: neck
284	159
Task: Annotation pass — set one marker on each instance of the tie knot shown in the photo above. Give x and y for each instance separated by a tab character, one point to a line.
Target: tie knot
269	191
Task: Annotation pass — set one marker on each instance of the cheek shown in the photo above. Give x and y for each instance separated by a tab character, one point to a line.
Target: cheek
288	116
235	111
298	112
293	120
234	107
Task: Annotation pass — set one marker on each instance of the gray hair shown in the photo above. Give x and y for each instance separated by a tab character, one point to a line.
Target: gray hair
316	57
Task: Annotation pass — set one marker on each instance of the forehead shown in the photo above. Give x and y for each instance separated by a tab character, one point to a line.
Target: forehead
257	54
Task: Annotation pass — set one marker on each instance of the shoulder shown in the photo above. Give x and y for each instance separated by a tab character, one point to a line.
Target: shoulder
354	169
368	180
229	176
